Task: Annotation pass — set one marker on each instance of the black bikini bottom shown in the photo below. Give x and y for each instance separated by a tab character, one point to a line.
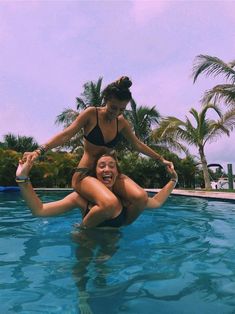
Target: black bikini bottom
85	172
116	222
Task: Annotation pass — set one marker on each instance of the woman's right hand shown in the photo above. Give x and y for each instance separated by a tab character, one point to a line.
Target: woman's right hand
30	155
173	174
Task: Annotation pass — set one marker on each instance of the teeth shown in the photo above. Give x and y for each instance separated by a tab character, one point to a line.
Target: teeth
107	177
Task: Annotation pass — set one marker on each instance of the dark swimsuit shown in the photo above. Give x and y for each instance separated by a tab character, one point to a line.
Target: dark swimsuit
96	136
114	222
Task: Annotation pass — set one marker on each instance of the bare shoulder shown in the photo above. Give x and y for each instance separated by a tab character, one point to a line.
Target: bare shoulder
90	111
86	115
122	121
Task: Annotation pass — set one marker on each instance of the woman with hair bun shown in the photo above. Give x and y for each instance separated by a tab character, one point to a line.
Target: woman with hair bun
102	128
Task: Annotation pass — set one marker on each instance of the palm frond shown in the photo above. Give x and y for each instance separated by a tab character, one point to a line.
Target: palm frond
133	117
146	118
222	92
228	119
208	106
195	114
19	143
99	86
232	64
174	128
189	138
217	130
167	125
223	126
66	117
212	66
91	95
81	105
142	119
172	144
76	142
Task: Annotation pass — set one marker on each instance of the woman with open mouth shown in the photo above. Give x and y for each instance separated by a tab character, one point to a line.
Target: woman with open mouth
106	172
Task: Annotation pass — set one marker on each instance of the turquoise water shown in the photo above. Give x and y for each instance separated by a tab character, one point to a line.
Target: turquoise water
178	259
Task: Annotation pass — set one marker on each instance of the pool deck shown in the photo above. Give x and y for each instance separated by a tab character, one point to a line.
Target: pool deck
200	193
195	193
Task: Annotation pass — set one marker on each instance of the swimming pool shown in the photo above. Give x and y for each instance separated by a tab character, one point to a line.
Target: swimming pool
178	259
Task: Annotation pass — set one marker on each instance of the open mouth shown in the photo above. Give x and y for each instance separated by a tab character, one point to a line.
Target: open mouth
107	178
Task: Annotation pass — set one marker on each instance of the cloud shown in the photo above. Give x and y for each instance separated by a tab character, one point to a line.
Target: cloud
145	10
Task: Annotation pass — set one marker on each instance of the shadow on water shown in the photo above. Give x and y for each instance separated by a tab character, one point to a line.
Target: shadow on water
94	249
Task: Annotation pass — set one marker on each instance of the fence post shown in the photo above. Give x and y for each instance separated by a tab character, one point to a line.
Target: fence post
230	176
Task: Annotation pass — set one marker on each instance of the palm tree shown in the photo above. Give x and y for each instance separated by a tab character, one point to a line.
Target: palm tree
142	120
204	131
19	143
215	66
167	141
91	96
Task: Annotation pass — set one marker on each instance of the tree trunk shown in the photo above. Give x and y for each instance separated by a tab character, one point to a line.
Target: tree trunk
205	169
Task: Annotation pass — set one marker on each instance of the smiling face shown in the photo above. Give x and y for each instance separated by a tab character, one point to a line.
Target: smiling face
115	107
107	171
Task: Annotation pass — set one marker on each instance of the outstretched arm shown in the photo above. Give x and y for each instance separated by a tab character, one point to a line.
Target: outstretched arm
68	203
159	199
141	147
63	136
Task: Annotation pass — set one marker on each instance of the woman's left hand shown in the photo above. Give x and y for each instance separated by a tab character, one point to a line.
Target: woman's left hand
168	164
24	168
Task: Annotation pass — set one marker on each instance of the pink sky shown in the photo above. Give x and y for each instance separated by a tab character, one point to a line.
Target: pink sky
49	49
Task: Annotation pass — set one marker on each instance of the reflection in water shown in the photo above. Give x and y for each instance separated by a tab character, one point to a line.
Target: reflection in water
169	259
95	248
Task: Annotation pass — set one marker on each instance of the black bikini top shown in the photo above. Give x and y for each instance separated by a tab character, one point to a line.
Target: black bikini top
96	136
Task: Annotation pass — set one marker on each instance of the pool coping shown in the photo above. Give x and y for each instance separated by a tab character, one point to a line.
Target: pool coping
230	196
195	193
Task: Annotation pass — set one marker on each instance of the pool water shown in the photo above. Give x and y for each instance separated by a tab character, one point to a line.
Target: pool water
174	260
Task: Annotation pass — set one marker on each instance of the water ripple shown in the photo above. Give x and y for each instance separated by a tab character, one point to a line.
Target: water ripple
169	259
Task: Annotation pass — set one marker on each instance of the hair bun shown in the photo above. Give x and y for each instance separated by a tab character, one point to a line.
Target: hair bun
124	82
118	89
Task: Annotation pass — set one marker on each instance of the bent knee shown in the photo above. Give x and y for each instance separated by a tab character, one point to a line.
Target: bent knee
109	206
109	202
74	185
76	179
